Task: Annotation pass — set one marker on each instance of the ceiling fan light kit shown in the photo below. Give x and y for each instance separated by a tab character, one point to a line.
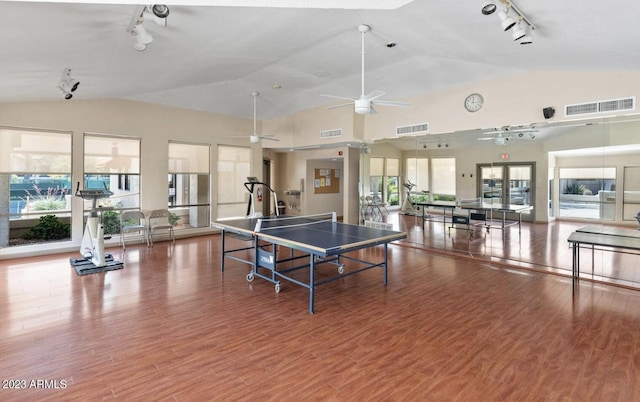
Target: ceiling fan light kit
523	25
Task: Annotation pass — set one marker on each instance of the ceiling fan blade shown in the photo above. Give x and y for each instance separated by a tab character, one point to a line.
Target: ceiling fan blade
338	97
375	94
391	103
340	105
372	110
268	137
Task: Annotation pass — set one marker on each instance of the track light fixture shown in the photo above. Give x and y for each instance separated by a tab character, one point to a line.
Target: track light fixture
523	26
488	7
141	38
68	84
156	13
160	10
519	32
506	22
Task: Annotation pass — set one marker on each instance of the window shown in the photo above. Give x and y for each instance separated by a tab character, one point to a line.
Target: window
417	172
188	184
35	182
392	178
384	176
376	173
114	163
587	193
443	179
234	166
631	196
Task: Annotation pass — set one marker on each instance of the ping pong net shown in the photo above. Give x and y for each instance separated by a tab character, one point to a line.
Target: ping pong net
281	222
469	202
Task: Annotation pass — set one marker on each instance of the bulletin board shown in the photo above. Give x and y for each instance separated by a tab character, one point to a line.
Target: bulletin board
326	181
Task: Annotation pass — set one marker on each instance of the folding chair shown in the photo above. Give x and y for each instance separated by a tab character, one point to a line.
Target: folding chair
158	219
133	222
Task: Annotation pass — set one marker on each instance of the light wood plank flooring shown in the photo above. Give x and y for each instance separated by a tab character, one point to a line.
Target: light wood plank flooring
171	327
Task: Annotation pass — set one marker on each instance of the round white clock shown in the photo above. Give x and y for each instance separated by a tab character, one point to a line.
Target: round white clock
473	102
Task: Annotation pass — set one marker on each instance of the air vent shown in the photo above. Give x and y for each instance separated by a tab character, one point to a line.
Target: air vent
607	106
412	130
331	133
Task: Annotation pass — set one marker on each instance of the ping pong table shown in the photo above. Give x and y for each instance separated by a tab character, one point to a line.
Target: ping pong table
435	204
318	241
613	238
484	211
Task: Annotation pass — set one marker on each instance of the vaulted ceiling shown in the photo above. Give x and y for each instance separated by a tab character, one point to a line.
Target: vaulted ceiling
211	58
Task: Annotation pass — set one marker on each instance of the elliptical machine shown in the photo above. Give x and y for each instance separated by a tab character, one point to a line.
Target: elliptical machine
94	258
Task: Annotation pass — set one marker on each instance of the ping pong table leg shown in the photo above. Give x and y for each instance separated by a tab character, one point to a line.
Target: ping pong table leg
385	264
312	282
222	253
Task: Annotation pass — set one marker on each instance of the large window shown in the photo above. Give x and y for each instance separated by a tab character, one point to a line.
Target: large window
588	193
114	163
376	174
417	173
443	178
631	196
384	180
392	180
35	186
234	166
188	183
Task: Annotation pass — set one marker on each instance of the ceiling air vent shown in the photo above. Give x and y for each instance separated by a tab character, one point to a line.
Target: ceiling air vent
331	133
412	130
607	106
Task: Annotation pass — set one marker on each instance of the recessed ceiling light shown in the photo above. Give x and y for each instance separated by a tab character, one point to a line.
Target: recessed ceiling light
320	74
276	86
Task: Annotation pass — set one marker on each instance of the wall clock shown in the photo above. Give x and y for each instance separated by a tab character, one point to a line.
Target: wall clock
473	102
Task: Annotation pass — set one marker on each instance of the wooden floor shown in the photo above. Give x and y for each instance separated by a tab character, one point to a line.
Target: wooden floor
171	327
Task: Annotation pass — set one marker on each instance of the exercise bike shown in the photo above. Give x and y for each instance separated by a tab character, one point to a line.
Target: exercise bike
94	259
407	206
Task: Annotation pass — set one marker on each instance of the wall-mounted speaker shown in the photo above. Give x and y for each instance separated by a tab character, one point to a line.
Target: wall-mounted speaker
548	112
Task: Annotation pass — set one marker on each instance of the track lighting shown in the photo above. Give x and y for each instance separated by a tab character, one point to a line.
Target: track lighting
156	13
160	10
68	84
519	32
526	40
488	7
523	26
506	22
141	38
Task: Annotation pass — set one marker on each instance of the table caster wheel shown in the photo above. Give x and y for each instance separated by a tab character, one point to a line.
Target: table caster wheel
277	288
341	269
250	277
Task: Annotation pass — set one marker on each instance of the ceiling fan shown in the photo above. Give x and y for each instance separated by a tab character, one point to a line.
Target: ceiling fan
254	137
364	104
498	139
505	134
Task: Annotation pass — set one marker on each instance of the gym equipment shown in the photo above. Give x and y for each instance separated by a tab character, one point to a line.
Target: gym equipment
94	258
250	185
407	206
